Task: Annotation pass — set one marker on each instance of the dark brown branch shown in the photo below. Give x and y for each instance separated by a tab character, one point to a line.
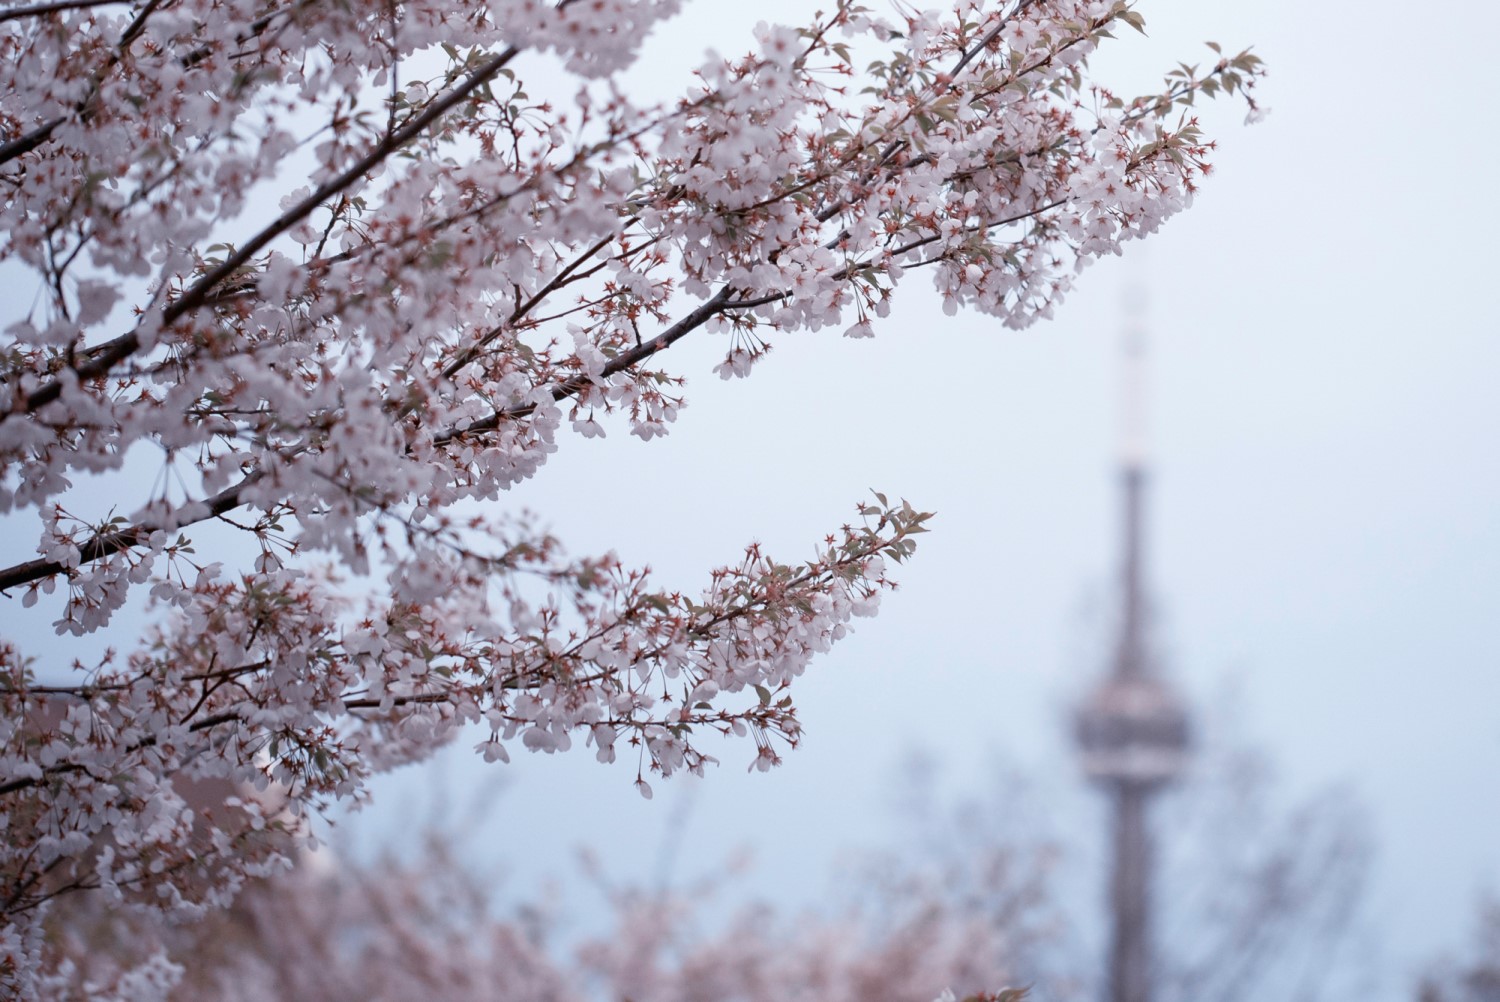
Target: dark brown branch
106	544
571	387
469	354
207	723
989	38
200	725
35	10
22	145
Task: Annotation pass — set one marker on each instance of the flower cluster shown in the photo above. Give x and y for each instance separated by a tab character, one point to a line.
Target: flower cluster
339	277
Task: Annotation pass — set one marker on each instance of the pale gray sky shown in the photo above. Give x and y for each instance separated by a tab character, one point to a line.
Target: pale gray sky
1324	532
1324	426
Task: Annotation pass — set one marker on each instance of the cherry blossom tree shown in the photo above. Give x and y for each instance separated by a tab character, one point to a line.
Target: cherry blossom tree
390	931
479	243
971	895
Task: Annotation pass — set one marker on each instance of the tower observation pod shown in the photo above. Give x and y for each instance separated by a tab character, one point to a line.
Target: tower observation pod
1132	730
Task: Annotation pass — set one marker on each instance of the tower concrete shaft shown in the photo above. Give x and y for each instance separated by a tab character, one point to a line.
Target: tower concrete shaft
1130	945
1130	898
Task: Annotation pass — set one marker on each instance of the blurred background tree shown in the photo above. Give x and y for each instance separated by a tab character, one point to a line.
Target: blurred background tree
981	892
1476	976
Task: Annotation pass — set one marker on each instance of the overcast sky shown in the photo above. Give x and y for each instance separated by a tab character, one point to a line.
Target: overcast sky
1324	420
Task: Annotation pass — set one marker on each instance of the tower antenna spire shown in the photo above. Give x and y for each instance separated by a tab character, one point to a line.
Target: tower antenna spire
1133	379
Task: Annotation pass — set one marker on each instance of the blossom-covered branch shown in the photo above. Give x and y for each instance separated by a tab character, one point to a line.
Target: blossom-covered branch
334	389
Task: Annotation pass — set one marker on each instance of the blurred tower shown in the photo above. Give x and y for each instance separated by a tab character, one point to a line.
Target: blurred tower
1132	729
